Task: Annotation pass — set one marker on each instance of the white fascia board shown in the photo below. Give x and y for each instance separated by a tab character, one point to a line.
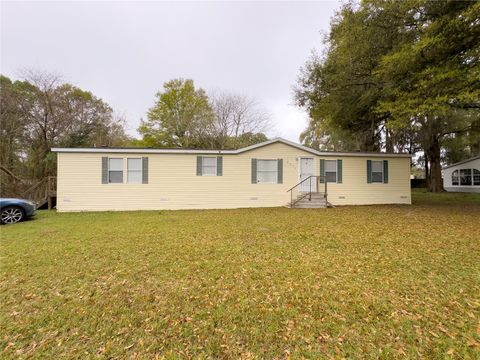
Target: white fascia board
323	153
140	151
461	162
225	152
286	142
363	154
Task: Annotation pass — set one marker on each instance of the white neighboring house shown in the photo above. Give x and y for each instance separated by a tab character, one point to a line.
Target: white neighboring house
463	176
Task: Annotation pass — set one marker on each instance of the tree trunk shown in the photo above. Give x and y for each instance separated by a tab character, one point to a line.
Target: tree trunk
436	182
388	141
427	169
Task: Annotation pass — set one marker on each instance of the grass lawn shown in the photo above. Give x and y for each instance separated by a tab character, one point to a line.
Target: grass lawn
353	282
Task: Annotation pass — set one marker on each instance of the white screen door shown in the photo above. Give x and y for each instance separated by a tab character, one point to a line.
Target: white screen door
307	168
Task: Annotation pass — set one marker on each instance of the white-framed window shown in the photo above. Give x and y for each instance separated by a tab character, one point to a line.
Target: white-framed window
455	177
209	166
115	170
377	171
466	177
267	171
331	170
476	177
134	170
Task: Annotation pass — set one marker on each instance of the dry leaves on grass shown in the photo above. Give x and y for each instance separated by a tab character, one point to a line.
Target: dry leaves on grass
383	281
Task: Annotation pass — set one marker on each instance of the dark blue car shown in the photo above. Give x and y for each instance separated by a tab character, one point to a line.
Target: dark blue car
15	210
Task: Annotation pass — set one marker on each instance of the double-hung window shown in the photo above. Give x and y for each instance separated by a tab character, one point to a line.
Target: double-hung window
267	171
115	170
209	166
134	170
377	171
331	170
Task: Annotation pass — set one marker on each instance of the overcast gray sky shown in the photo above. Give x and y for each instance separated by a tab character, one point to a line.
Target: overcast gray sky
123	52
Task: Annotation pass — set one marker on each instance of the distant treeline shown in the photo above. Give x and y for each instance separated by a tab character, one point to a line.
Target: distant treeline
40	111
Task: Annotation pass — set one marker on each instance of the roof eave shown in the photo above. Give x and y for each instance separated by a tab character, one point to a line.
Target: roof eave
461	162
140	151
226	152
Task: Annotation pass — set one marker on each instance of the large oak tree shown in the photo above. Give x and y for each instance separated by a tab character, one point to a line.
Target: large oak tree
396	76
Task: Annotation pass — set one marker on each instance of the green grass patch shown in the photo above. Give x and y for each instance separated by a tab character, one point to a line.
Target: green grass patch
423	197
354	282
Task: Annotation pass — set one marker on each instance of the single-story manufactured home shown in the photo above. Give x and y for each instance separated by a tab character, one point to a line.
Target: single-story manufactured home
277	172
463	176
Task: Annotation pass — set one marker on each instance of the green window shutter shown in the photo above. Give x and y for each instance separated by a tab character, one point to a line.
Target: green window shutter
144	170
322	171
104	170
339	171
254	171
199	166
369	171
219	165
385	171
280	171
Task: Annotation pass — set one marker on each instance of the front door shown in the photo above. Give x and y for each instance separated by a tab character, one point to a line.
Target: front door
307	168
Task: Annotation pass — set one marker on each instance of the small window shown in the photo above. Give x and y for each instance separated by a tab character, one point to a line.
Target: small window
209	166
377	171
134	170
455	177
267	171
476	177
331	170
466	177
115	170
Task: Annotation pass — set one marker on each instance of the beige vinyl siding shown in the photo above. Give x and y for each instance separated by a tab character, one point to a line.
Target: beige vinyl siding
355	190
174	184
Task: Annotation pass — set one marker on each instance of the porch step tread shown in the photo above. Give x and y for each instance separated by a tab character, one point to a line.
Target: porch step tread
310	203
310	206
322	196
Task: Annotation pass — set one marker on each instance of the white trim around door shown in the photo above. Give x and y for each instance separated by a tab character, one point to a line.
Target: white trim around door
307	167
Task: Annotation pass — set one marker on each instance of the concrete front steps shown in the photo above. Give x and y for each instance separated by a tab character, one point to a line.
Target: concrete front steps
315	201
